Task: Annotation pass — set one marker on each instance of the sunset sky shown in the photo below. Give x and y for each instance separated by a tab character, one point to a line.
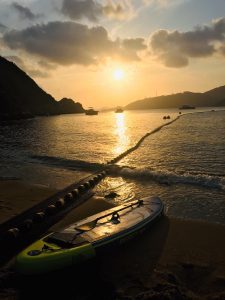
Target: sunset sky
109	53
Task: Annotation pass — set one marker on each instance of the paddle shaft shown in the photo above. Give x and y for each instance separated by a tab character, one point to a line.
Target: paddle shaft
118	210
90	225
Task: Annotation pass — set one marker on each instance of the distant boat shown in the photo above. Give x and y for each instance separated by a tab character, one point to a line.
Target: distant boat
119	110
91	111
185	106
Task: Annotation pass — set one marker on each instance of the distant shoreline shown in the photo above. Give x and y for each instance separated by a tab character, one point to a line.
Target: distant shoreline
27	116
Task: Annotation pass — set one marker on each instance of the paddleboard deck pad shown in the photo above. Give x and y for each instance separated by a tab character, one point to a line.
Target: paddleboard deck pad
86	238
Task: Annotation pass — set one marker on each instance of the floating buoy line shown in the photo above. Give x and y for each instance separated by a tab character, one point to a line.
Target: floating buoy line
25	227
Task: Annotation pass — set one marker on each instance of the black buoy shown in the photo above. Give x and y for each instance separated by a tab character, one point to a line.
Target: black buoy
68	197
96	179
59	203
27	224
104	173
12	233
81	188
87	185
99	177
75	193
39	217
92	183
51	210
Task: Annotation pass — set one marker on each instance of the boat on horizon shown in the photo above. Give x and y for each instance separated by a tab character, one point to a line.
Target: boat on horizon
119	110
91	112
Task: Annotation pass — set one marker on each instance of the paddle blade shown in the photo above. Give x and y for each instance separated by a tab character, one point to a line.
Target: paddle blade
87	226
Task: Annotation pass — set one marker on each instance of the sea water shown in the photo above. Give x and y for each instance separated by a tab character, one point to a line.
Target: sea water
183	163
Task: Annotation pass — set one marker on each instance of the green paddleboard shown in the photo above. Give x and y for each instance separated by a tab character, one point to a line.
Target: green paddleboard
84	239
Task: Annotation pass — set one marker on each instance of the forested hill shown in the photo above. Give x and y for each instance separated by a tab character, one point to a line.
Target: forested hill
215	97
20	96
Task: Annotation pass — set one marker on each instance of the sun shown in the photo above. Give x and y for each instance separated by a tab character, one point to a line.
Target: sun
118	74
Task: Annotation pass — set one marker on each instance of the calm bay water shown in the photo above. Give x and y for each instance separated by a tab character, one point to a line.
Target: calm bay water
183	163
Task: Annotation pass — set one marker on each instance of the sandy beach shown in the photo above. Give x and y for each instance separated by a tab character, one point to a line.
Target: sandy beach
17	196
174	259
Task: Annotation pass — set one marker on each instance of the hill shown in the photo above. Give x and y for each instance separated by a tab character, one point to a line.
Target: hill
21	97
215	97
68	106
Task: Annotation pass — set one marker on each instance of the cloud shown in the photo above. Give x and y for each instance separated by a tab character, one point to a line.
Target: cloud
77	10
222	50
136	44
68	43
3	28
175	48
17	60
37	73
46	65
163	3
24	12
121	11
33	72
93	10
130	48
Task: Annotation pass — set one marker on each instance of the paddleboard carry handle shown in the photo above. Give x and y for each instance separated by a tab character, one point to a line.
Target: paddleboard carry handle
92	224
115	218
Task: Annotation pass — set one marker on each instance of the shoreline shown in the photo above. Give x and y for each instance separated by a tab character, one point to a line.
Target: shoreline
175	259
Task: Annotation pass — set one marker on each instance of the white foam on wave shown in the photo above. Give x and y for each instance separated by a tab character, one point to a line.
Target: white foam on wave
169	178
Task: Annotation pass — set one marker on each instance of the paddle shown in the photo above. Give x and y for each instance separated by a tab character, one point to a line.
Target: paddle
91	225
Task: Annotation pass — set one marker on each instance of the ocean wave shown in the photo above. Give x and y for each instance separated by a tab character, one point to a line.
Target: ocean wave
169	178
72	164
159	176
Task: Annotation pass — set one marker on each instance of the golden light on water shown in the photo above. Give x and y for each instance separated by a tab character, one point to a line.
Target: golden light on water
120	123
121	132
118	74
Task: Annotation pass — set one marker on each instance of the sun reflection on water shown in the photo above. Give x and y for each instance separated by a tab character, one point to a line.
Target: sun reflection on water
121	133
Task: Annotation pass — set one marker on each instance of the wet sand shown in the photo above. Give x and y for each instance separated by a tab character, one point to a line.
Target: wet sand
174	259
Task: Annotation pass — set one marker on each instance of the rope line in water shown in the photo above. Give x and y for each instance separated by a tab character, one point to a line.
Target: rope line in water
137	145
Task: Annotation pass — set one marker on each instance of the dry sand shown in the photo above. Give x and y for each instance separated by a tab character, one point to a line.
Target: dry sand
16	196
175	259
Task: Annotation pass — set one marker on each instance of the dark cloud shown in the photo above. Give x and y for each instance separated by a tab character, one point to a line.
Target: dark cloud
93	10
24	12
134	44
72	43
175	48
3	28
77	10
